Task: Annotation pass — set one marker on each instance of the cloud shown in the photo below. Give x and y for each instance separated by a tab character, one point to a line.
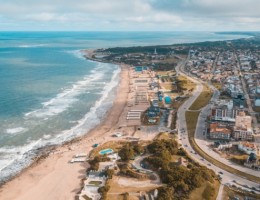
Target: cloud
130	14
156	18
208	8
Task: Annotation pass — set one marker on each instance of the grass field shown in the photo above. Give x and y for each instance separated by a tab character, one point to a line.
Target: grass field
191	119
203	99
185	84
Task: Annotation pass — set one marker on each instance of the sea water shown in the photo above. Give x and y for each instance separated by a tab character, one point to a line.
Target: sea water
49	93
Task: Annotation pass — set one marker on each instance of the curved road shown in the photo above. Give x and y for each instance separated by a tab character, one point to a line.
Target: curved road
227	178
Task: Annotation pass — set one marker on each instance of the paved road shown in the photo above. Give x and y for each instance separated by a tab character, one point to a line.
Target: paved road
248	100
137	164
183	138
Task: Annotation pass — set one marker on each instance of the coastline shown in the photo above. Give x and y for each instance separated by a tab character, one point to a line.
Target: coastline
51	176
46	175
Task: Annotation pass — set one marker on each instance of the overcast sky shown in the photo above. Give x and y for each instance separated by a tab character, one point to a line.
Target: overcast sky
134	15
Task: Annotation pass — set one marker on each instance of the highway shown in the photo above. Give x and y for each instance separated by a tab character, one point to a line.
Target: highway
227	178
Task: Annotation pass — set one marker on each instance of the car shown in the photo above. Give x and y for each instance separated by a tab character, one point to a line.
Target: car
234	181
220	172
209	164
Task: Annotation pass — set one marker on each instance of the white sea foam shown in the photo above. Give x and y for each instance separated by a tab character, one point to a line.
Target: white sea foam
46	137
31	45
77	53
68	96
93	117
15	130
14	159
96	113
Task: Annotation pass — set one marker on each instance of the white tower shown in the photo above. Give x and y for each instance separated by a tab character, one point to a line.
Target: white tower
155	52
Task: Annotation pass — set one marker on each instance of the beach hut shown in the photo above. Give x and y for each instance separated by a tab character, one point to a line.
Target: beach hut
168	100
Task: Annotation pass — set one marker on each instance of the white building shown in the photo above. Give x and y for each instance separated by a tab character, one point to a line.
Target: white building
243	127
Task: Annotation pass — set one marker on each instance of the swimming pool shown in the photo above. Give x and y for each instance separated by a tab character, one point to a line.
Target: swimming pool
106	151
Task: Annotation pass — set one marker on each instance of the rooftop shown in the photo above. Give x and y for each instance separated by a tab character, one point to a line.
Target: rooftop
217	127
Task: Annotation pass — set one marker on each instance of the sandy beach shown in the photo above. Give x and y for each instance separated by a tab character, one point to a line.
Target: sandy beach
53	177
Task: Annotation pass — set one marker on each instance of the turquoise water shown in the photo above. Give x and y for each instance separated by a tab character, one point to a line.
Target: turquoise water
106	151
51	94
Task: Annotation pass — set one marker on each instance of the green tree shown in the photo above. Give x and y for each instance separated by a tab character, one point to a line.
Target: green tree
110	173
165	193
138	149
94	164
126	153
103	191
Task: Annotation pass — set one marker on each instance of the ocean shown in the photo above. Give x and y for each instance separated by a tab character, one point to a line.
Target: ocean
49	93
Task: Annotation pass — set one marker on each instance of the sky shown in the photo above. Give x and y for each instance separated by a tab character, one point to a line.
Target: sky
129	15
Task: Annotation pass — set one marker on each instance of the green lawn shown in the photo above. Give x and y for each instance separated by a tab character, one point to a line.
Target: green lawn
191	119
185	84
203	99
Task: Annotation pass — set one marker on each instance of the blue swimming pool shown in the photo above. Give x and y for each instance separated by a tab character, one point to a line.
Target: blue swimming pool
106	151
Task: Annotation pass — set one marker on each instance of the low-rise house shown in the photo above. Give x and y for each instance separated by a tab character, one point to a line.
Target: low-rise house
248	148
219	131
222	145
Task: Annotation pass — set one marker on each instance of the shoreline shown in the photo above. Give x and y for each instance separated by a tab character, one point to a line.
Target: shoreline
53	157
51	167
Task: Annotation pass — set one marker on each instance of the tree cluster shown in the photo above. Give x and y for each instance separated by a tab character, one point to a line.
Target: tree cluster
162	151
94	164
180	180
129	151
103	191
